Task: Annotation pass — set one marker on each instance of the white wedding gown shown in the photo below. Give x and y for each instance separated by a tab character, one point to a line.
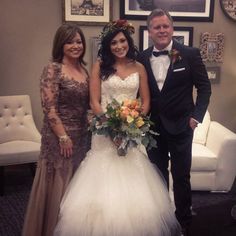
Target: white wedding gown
113	195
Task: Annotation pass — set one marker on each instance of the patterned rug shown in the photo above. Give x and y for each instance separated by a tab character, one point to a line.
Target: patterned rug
213	209
14	202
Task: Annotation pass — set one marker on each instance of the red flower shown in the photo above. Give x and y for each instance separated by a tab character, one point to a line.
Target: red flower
115	25
120	23
174	56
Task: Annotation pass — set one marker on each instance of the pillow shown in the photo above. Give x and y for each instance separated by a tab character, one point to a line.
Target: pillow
200	133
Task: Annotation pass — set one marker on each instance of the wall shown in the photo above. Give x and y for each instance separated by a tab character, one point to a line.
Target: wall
27	28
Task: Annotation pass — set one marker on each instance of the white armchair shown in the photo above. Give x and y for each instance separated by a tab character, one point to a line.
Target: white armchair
19	137
214	157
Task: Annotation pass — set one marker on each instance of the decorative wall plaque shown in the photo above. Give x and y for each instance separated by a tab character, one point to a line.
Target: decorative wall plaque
229	8
212	46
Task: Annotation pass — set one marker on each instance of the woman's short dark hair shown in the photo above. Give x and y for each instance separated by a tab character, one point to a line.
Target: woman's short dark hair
66	32
107	58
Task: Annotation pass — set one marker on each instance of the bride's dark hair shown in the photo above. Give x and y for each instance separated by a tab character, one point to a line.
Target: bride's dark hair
105	54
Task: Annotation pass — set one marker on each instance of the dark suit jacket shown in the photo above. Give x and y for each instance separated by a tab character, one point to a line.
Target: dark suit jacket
174	104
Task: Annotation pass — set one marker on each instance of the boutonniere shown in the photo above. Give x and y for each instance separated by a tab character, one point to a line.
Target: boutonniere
174	56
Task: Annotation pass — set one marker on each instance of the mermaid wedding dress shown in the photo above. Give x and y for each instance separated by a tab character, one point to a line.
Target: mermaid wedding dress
113	195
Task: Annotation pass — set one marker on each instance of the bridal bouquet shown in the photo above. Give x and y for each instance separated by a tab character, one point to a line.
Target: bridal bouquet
125	124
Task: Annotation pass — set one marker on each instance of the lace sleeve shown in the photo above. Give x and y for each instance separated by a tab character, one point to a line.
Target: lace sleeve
49	90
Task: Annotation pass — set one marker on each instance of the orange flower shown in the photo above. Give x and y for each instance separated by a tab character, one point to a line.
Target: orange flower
134	113
126	103
124	112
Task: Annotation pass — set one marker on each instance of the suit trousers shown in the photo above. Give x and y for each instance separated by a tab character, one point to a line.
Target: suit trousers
178	150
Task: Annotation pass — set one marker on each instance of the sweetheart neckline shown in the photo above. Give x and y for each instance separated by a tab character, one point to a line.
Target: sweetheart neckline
67	78
125	78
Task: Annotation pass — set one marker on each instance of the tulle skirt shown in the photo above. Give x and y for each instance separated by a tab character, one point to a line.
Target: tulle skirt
112	195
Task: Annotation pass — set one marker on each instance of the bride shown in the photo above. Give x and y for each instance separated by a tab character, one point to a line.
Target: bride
112	195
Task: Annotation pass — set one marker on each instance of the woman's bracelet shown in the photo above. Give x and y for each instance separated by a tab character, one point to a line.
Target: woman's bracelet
63	139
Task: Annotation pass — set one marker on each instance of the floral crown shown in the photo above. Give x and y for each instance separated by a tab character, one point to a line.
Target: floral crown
117	25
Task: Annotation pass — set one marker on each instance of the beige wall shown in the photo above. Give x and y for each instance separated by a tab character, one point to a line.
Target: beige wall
27	28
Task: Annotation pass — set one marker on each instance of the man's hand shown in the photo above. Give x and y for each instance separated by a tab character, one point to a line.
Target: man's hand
193	123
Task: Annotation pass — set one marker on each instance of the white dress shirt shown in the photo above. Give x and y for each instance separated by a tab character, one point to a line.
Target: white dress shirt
160	65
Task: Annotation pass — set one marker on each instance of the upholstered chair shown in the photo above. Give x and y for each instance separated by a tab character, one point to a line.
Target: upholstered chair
214	157
19	137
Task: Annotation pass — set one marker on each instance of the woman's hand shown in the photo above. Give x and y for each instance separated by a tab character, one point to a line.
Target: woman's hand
66	146
90	116
102	118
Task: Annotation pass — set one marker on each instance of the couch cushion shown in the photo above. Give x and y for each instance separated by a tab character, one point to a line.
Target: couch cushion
203	158
200	133
19	152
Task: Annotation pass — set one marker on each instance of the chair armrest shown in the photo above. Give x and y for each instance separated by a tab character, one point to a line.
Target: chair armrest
218	136
36	135
222	142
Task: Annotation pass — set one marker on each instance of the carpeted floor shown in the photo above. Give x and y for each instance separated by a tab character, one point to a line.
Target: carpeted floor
213	209
13	203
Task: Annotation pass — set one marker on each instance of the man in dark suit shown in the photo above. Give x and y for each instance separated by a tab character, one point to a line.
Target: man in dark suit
173	71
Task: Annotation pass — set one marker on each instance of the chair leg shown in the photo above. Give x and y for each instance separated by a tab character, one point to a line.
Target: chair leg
33	168
1	180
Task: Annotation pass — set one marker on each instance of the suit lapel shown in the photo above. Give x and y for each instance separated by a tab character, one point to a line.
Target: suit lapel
169	75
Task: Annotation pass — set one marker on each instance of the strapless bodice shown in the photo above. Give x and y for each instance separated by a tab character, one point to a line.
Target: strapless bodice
120	89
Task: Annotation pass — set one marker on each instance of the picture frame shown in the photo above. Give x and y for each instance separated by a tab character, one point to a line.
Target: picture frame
213	74
212	46
86	13
180	10
229	8
182	34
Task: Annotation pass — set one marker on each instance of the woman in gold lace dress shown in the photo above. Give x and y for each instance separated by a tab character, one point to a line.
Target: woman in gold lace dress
65	138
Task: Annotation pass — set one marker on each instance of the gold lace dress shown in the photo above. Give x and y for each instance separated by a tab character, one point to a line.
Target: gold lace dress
64	100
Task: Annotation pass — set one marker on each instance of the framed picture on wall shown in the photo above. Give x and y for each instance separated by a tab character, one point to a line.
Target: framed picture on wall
212	46
180	10
213	74
87	12
183	35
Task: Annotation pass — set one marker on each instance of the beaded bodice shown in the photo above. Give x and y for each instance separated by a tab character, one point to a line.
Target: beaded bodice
117	88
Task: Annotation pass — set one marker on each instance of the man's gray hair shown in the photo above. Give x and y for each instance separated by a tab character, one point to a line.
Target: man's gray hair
158	12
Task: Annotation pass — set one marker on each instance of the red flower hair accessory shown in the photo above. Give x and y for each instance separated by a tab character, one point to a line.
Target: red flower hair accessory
117	25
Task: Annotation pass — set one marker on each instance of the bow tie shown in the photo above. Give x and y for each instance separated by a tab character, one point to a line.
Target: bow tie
159	53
